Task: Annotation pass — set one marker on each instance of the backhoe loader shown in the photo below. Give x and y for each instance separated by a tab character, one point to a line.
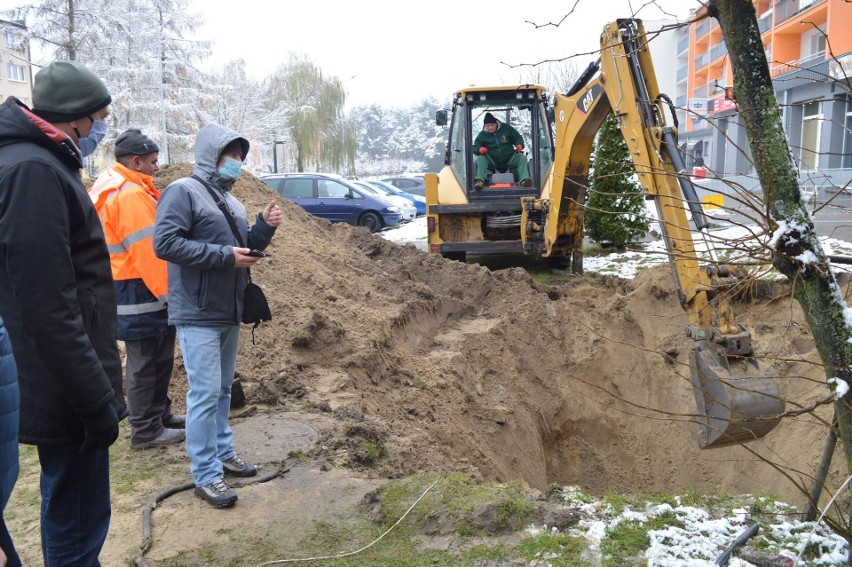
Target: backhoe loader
736	402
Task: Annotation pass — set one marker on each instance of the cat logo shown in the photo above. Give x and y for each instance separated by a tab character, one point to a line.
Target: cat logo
588	99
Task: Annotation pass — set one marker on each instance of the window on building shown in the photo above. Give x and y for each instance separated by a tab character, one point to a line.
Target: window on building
11	40
847	138
811	126
15	72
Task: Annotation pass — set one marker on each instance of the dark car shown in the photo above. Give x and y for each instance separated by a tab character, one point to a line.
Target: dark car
333	198
413	184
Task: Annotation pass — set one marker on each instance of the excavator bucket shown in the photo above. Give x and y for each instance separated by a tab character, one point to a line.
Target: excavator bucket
735	403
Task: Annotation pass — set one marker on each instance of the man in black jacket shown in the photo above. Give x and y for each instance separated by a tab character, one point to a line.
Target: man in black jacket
58	302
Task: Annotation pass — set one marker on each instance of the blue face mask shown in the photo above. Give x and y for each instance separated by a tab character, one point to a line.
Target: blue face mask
230	168
97	132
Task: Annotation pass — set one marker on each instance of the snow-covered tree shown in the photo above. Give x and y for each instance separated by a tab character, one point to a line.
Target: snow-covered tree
615	206
141	51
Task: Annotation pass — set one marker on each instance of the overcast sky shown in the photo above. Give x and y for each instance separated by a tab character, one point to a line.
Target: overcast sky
397	53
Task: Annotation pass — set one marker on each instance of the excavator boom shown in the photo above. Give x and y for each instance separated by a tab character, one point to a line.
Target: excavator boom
735	401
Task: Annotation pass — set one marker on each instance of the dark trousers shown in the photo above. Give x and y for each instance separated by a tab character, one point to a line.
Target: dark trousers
12	559
75	508
149	370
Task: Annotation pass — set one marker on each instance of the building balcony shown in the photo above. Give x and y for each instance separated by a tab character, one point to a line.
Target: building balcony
702	61
705	91
798	64
680	102
682	73
683	44
718	50
764	24
786	9
703	28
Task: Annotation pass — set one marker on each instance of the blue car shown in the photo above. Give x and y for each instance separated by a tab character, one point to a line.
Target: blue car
332	197
413	184
418	201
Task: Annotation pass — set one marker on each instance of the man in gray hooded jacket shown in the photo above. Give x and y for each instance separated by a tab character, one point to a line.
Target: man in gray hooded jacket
207	280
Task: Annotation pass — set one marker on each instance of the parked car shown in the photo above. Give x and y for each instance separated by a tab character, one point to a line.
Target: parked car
406	208
416	200
332	197
408	183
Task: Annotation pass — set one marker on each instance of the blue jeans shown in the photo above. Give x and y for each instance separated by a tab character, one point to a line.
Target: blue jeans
75	508
209	356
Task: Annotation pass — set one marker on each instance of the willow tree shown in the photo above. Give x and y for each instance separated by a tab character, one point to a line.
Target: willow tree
796	250
315	123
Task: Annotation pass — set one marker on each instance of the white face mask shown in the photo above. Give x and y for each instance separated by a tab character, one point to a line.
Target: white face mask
97	132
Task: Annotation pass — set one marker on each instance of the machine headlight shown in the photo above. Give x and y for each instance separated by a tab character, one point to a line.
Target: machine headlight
393	209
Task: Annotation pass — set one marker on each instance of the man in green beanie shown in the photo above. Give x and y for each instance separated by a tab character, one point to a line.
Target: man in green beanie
58	302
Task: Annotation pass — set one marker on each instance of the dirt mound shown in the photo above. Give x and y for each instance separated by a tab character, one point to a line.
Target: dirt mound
428	364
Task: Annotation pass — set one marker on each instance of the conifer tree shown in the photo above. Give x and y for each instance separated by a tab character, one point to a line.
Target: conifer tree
615	210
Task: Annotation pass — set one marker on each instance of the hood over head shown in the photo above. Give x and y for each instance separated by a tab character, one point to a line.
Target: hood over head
210	143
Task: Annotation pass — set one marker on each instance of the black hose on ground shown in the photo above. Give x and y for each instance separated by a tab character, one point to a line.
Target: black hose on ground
741	539
148	538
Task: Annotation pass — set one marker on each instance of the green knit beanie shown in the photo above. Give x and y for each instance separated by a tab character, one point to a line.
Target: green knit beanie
65	91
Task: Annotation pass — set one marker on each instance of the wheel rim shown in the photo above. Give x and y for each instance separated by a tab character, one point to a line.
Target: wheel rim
371	222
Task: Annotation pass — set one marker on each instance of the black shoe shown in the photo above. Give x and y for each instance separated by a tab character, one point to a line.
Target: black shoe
217	494
167	437
175	421
526	182
235	466
477	186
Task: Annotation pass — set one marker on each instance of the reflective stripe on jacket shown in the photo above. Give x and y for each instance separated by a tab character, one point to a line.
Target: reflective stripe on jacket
126	202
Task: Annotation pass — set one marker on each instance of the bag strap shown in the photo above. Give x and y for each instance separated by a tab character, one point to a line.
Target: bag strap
224	208
225	211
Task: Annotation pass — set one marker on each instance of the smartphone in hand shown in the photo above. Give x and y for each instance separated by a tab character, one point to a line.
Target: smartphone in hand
258	254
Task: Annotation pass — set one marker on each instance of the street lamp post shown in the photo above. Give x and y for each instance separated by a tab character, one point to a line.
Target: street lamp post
275	145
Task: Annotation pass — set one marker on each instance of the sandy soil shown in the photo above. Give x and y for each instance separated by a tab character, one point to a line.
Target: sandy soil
454	368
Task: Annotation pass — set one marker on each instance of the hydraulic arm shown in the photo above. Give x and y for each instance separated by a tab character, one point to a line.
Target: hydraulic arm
735	401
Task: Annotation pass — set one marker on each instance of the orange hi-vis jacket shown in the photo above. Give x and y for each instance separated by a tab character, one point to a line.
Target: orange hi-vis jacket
126	202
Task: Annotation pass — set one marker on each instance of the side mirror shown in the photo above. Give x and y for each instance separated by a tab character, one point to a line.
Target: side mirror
441	118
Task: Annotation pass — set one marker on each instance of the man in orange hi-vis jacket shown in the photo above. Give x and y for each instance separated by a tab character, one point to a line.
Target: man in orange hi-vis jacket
126	200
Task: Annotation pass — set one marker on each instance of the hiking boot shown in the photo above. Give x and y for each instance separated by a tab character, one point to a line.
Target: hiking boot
217	494
235	466
477	185
167	437
526	182
175	421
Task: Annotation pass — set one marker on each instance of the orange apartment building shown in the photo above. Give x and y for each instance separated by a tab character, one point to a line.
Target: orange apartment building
809	49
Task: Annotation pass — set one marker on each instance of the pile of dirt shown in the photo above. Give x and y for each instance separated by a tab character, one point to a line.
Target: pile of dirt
451	367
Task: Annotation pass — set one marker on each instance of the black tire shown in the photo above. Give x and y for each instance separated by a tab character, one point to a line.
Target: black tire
457	256
371	220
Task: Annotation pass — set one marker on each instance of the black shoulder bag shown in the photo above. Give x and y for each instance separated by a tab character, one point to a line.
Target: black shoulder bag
255	307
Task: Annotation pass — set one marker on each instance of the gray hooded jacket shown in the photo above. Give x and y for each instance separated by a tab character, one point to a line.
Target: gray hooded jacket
194	237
